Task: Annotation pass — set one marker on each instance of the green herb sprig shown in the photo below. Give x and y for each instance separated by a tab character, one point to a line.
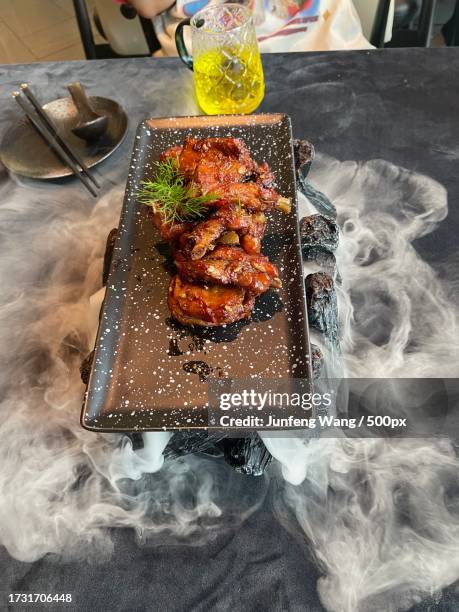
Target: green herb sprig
169	196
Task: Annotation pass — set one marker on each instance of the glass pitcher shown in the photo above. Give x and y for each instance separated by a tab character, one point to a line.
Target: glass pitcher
226	61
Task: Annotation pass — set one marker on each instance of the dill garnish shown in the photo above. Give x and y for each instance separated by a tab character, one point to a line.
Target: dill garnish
170	197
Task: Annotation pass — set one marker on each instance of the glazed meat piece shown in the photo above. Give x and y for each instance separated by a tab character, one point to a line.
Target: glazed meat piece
249	226
210	160
223	167
171	231
230	265
171	153
208	305
252	196
217	253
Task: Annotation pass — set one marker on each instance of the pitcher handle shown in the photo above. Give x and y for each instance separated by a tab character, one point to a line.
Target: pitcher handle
180	44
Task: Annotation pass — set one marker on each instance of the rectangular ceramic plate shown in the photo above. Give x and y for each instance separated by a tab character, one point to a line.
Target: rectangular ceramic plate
149	372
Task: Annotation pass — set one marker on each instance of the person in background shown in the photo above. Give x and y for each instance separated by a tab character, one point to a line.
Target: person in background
282	25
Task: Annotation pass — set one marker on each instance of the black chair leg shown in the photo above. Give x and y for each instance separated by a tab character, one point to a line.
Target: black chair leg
450	30
84	25
379	28
421	36
150	34
426	20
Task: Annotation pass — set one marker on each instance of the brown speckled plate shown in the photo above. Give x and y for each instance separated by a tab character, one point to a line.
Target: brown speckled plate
24	152
151	373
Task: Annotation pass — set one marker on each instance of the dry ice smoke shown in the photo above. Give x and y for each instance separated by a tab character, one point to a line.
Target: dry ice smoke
382	517
63	485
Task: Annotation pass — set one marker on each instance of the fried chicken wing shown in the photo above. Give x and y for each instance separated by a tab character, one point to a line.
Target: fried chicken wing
214	159
230	265
223	167
208	305
171	153
220	268
203	236
171	231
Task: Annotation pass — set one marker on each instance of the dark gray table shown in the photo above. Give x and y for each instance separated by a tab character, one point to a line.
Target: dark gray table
399	105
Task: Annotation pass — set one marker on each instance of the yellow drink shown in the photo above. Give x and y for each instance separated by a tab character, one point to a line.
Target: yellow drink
229	80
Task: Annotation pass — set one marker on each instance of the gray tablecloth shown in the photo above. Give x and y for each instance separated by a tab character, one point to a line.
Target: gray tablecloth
399	105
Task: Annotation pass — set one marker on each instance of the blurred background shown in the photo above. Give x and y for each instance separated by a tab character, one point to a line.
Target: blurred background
58	30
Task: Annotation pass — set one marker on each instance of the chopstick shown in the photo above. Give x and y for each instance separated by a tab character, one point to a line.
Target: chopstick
49	124
49	139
